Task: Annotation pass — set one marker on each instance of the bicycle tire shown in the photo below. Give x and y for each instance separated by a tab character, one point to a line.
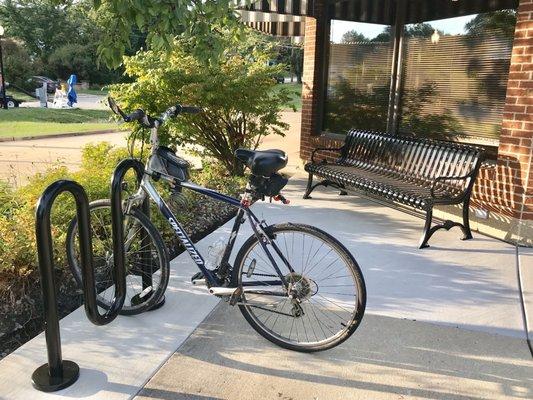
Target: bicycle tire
353	323
155	239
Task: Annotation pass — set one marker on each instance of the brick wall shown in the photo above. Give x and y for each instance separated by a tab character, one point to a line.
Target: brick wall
508	186
316	33
314	43
505	188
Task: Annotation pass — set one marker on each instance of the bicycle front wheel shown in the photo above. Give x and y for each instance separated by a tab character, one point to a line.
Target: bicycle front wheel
147	264
324	300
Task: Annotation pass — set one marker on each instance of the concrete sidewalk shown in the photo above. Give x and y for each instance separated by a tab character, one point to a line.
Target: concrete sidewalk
441	323
387	358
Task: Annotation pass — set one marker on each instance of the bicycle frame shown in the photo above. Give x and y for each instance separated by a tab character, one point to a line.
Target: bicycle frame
258	227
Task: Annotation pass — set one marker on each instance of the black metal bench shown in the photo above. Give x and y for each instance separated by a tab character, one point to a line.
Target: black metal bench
419	173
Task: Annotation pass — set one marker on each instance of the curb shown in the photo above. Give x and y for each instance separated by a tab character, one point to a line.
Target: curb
57	135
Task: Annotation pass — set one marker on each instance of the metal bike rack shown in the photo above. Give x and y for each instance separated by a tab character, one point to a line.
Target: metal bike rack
58	373
117	220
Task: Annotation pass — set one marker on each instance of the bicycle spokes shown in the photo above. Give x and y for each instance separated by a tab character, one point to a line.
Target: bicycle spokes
315	300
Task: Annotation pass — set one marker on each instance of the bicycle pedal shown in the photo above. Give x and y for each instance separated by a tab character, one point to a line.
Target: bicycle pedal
235	296
197	276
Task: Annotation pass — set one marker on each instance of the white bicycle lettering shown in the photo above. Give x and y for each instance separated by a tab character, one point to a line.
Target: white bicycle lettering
186	242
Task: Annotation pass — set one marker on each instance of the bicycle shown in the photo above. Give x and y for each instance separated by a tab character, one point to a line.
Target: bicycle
295	284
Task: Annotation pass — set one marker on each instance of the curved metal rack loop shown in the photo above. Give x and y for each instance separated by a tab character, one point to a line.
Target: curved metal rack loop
117	220
58	374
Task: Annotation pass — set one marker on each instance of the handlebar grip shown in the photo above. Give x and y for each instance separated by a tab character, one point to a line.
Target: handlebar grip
191	110
137	115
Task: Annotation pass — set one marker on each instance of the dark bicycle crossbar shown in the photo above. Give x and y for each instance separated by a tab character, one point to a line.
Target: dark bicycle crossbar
420	173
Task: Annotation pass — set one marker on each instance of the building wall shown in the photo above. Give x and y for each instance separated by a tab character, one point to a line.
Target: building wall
504	188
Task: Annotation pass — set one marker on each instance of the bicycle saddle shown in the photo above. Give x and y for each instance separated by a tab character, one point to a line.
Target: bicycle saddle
262	162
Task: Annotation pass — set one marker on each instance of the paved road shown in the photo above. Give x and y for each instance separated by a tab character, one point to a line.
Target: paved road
21	159
85	101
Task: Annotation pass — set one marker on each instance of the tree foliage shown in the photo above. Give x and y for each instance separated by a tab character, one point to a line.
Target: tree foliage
348	107
297	62
289	54
198	22
39	24
17	61
235	91
503	21
353	36
420	30
60	39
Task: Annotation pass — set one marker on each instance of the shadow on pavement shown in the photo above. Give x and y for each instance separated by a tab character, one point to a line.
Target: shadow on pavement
385	358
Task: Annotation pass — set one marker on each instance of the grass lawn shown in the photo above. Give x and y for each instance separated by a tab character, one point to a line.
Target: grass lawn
295	91
20	122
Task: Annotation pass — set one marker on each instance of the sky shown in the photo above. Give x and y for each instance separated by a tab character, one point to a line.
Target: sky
452	26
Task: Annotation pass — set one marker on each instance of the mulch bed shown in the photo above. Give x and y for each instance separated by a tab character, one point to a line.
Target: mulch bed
22	320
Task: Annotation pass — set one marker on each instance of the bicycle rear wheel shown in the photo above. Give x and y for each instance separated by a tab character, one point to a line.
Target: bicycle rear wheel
326	284
147	263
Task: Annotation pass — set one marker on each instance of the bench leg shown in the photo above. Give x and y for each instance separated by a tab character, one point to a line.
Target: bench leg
310	187
325	183
342	191
466	221
427	230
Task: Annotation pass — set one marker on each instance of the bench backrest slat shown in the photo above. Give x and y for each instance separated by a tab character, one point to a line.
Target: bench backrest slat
413	159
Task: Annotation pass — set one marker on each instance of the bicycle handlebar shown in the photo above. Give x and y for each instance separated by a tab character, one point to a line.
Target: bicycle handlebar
137	115
151	122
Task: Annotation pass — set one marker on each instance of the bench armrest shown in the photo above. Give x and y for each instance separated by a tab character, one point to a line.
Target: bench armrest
324	149
447	178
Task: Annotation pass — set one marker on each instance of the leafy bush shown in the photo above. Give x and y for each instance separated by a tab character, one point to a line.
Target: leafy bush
235	91
17	208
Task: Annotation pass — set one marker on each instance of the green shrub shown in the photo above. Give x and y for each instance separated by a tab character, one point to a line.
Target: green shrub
17	207
235	91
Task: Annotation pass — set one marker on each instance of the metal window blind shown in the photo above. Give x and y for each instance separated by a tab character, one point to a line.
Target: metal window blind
455	89
358	85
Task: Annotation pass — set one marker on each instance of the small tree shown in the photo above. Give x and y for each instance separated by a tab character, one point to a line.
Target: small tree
353	37
235	91
502	21
18	63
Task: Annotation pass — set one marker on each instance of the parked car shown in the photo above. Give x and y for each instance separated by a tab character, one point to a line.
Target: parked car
37	82
11	101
